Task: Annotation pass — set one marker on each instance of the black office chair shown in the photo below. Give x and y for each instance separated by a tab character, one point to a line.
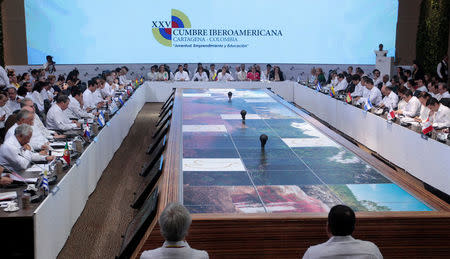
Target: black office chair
47	105
445	101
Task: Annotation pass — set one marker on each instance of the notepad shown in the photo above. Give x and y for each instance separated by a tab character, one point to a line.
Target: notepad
7	195
58	152
60	144
27	180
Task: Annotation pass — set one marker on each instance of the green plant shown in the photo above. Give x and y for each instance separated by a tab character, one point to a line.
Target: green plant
432	33
2	59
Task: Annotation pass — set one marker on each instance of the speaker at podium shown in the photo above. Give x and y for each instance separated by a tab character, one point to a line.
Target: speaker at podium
383	63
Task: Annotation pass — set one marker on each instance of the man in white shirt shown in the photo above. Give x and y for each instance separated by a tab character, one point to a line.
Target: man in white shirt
443	91
376	77
385	81
28	103
16	154
373	93
242	73
421	86
200	75
412	108
151	76
108	90
212	72
390	99
342	83
359	87
13	102
224	76
75	109
90	98
123	76
340	226
25	116
181	75
439	114
174	224
424	111
433	90
57	119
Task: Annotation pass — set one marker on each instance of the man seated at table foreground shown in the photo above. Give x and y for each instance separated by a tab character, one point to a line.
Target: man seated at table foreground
26	116
439	114
174	223
16	154
340	226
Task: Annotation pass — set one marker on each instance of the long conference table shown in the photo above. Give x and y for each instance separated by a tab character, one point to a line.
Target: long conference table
425	159
54	218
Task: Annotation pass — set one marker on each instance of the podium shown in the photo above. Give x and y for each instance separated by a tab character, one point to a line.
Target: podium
384	64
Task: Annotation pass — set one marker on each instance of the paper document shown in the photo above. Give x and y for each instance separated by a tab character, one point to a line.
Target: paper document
60	144
15	178
38	168
7	195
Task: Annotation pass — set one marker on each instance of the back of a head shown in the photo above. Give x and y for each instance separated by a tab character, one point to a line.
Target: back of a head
174	222
61	98
341	220
356	77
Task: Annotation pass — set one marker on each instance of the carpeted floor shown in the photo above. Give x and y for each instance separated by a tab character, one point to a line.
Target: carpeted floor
97	232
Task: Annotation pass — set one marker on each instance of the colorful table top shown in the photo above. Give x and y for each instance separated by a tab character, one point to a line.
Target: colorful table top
225	170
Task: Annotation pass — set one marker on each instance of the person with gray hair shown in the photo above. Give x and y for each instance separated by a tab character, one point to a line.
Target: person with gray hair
26	116
110	89
24	102
48	134
174	224
16	154
13	100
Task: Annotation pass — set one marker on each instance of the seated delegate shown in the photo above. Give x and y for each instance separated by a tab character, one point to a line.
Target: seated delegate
16	154
340	226
174	223
57	119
